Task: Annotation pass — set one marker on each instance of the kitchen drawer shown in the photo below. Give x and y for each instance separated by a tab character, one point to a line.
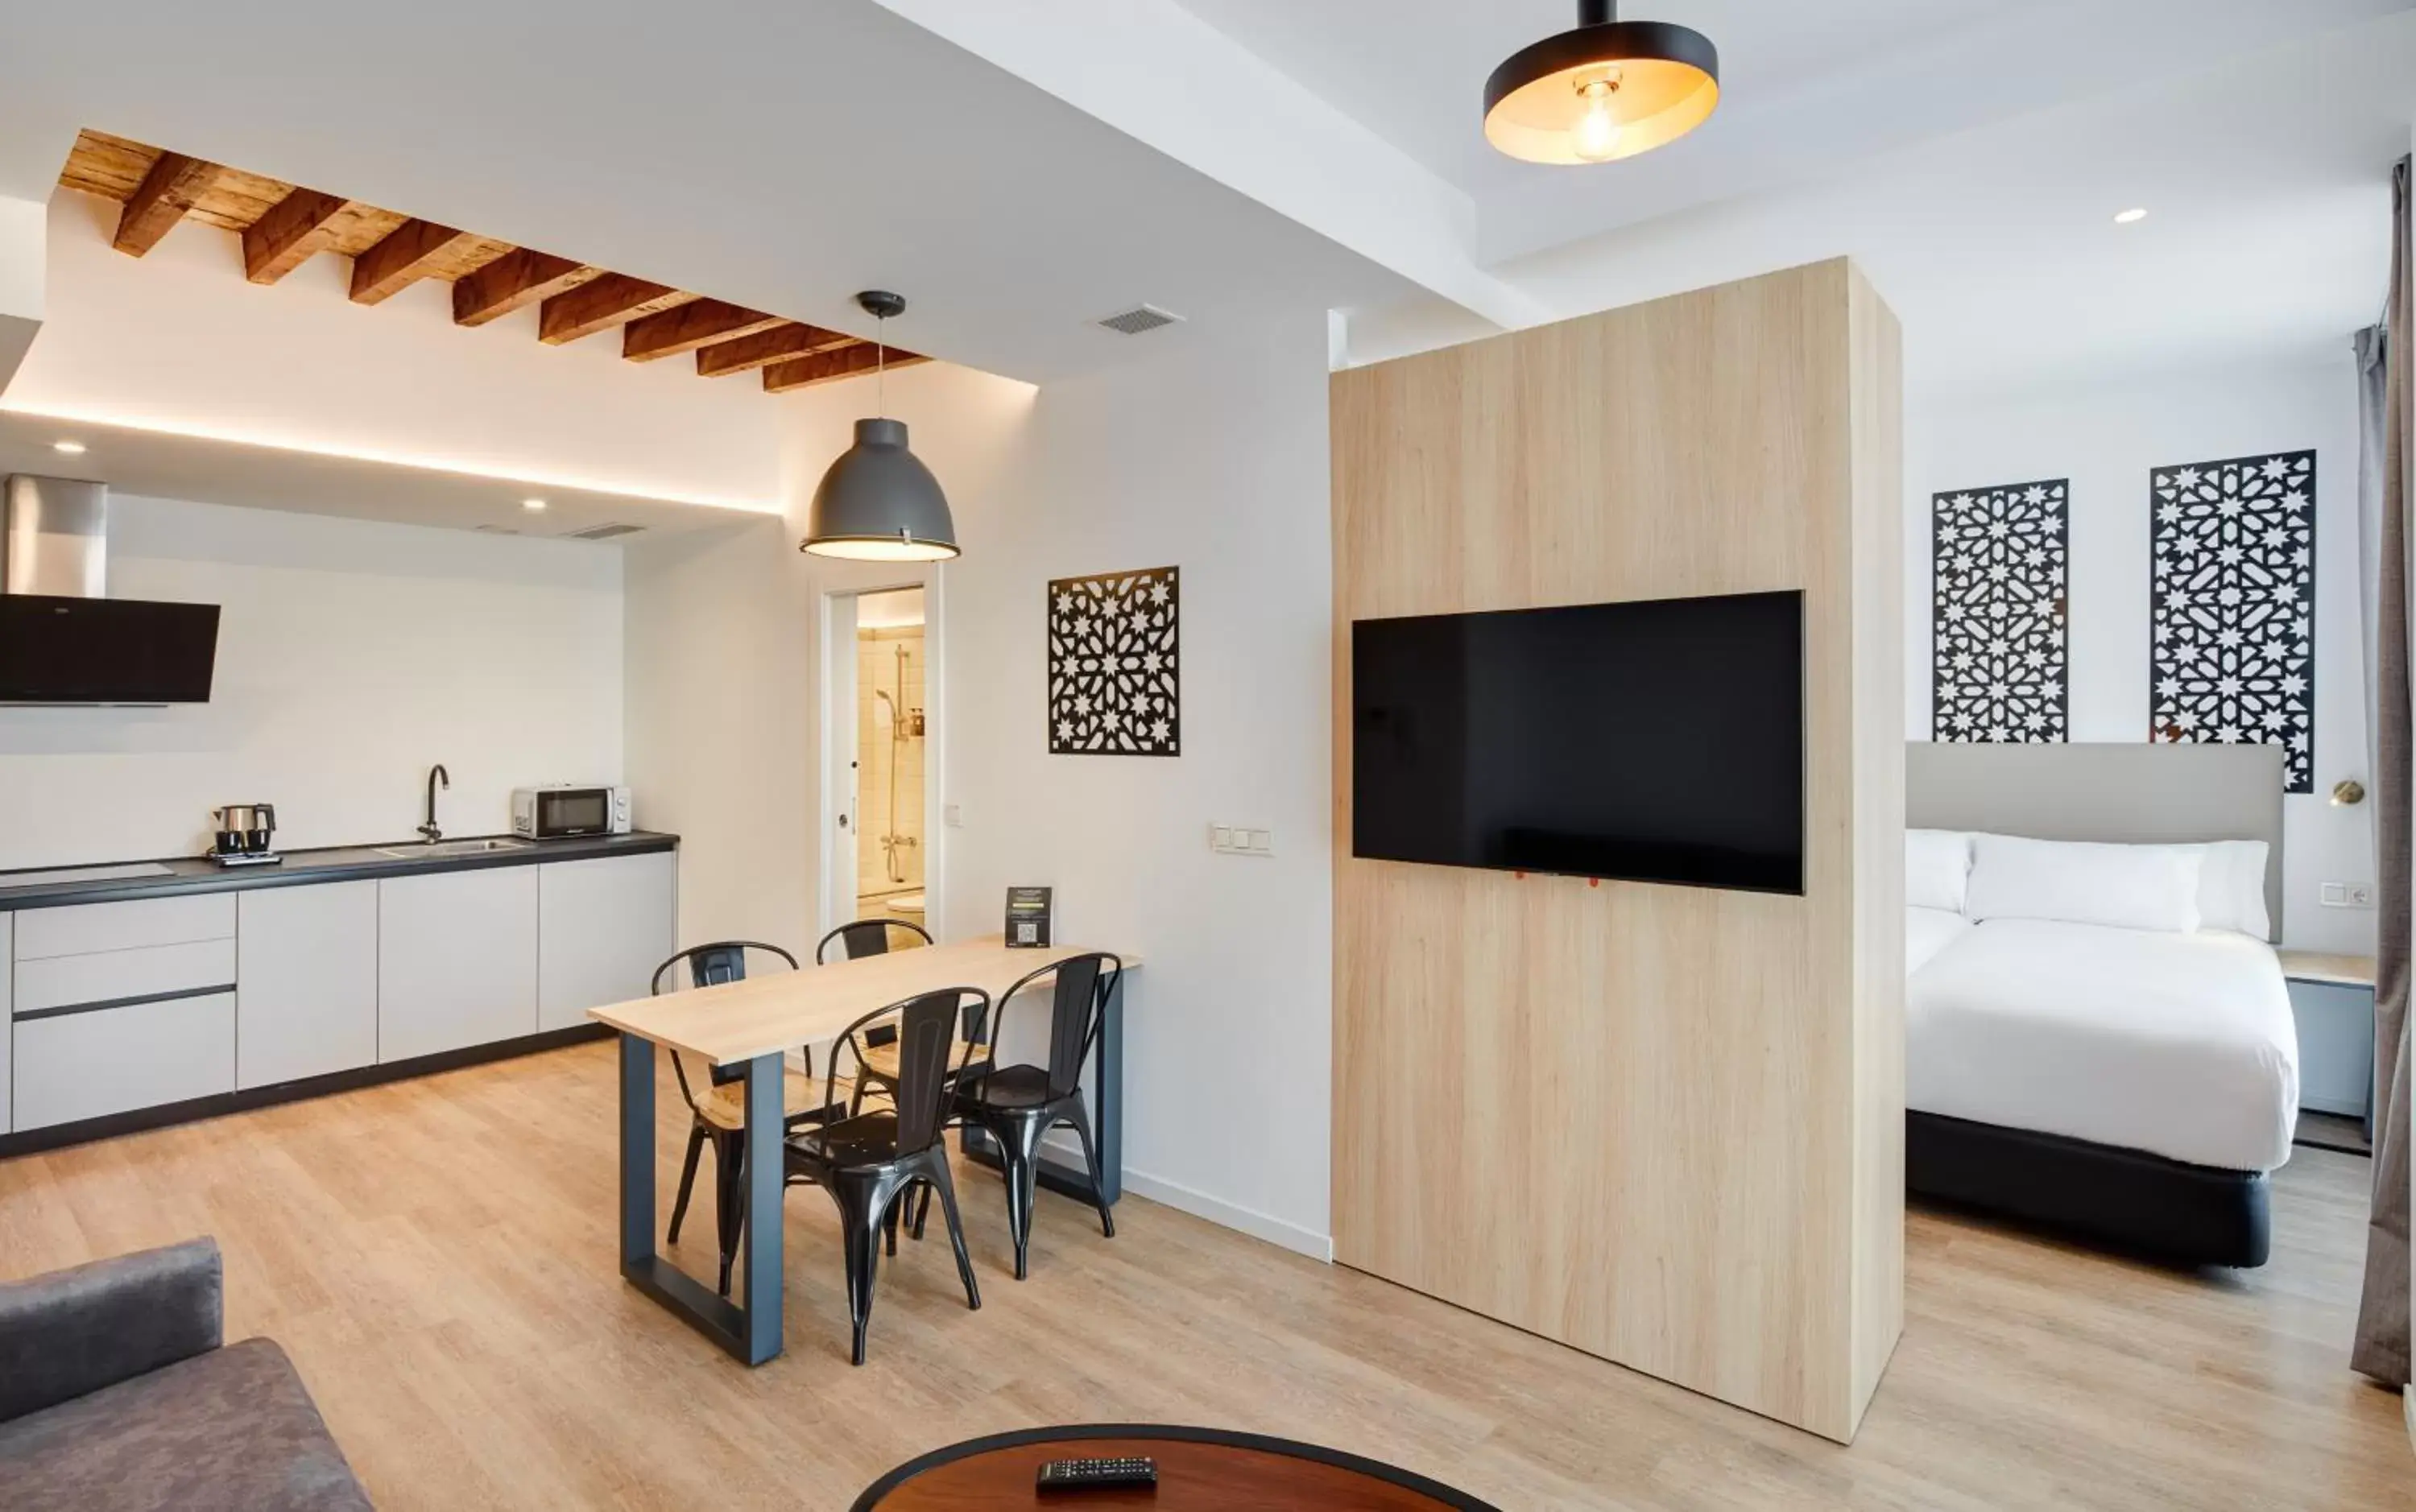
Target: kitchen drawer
84	927
106	976
118	1059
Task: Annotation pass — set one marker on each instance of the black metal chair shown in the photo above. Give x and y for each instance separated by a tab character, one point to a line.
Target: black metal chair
1016	1105
719	1112
870	1162
870	936
866	936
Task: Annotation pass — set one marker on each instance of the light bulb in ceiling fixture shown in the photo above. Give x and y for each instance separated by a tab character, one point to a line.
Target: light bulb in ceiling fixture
68	448
1595	137
2130	217
533	506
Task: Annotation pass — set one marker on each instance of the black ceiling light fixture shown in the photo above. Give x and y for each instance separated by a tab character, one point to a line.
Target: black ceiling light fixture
879	502
1608	90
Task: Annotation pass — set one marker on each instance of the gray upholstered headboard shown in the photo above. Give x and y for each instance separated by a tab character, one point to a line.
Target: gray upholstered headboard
2131	793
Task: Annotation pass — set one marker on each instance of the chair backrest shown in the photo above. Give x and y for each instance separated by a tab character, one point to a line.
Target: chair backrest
1076	1004
866	936
925	1029
713	966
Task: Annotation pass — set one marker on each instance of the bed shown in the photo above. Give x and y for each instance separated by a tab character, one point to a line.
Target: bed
2130	1085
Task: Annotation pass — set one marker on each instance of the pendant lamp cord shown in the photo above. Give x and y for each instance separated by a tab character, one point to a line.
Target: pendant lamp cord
881	365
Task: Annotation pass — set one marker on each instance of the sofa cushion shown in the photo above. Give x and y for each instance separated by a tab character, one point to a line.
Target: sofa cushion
231	1428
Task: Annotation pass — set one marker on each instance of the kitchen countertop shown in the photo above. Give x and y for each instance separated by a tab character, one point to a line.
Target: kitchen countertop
339	863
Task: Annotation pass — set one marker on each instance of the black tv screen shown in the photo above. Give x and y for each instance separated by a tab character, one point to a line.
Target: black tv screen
1660	741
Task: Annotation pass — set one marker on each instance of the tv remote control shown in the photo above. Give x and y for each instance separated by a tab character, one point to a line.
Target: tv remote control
1097	1475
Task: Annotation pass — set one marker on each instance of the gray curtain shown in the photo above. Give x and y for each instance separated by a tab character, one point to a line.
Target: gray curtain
2381	1347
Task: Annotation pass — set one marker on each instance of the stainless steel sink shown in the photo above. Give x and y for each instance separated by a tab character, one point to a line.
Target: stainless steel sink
450	847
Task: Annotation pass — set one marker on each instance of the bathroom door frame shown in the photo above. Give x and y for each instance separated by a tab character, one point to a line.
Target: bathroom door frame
840	741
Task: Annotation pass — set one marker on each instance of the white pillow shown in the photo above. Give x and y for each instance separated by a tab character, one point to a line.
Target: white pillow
2083	882
1937	863
2231	887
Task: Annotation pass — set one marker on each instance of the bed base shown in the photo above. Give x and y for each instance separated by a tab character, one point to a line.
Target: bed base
2145	1204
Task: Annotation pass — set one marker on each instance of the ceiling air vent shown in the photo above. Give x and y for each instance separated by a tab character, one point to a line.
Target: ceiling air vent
494	530
1139	319
605	532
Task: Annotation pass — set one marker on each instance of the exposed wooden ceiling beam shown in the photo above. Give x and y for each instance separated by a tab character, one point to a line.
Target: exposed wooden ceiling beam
296	229
686	327
401	259
610	301
790	340
830	366
515	278
166	192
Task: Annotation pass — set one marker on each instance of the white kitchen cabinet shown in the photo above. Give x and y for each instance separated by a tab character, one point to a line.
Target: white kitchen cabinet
8	1031
457	960
602	927
306	981
101	1061
115	976
80	929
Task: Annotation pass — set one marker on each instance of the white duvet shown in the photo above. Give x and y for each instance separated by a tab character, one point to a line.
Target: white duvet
2179	1045
1928	930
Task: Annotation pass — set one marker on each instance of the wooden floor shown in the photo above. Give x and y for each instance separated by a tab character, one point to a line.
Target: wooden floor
438	1256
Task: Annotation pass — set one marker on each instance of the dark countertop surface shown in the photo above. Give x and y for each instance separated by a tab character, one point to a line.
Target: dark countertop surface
46	888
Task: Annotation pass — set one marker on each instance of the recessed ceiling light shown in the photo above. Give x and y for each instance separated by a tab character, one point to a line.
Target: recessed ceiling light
2130	217
532	505
68	448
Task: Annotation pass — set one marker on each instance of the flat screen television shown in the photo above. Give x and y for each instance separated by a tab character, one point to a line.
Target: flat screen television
1658	741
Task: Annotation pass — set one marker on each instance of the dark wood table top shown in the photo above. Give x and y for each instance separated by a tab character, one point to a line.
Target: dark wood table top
1197	1468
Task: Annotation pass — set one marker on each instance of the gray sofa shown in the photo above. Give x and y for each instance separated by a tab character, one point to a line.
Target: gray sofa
116	1393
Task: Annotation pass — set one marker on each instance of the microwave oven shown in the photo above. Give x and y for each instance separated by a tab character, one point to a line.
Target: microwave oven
562	812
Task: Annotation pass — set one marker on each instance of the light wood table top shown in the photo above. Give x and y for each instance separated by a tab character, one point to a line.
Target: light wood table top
782	1009
2339	970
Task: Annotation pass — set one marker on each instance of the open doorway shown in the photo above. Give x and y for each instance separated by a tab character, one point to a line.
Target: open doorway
885	815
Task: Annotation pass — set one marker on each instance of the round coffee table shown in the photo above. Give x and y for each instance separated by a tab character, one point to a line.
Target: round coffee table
1197	1468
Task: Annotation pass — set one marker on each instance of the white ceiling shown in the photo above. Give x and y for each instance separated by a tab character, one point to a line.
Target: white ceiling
2267	240
781	156
161	464
1805	86
1020	168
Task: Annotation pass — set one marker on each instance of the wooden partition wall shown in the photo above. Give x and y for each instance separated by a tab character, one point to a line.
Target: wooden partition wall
1661	1124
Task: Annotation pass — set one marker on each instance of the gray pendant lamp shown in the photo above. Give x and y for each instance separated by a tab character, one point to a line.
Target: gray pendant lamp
879	502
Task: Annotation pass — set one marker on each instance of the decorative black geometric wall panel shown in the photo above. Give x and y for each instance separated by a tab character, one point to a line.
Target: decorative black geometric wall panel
1996	656
1112	668
2231	579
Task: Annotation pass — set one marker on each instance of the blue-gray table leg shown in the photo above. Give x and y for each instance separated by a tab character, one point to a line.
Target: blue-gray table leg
766	1174
636	1151
749	1329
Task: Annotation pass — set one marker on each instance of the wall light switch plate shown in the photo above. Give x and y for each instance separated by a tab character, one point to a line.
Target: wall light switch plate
2347	894
952	815
1233	839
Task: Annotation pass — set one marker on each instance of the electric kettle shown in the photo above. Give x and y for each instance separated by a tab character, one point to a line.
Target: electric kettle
245	829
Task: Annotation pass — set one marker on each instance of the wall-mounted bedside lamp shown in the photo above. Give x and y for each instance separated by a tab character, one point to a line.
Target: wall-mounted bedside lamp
2347	792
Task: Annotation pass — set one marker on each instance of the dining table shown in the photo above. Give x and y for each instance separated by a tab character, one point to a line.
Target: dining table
755	1024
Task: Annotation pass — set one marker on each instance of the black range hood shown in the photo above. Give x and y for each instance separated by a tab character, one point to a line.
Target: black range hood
62	641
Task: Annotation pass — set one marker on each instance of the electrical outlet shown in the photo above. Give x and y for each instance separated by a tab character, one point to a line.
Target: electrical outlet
2346	894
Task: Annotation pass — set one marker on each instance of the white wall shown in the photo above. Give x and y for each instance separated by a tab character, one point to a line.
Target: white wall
2105	438
352	654
178	340
1207	455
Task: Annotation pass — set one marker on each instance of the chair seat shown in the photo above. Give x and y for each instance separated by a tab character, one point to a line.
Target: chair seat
880	1060
1010	1087
725	1106
867	1139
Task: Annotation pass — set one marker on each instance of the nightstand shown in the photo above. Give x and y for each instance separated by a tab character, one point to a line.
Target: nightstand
2331	997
